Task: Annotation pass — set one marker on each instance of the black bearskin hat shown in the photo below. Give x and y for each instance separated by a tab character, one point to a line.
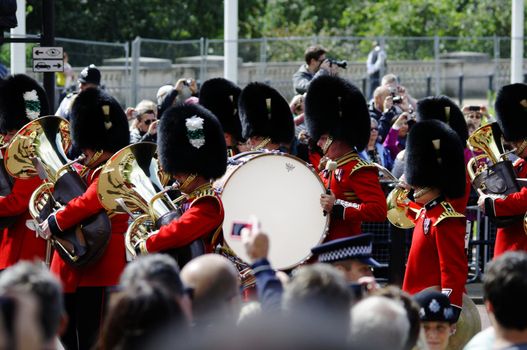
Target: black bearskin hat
511	111
435	158
98	122
190	140
336	107
264	112
444	109
22	99
220	96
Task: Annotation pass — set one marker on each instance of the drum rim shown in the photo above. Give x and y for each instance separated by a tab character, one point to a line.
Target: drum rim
309	166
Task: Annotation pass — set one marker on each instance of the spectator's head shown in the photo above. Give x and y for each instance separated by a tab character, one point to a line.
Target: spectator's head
437	318
319	289
161	270
390	81
379	323
511	114
36	280
314	56
374	131
504	290
215	286
379	95
22	100
412	311
352	256
138	314
473	116
144	118
89	77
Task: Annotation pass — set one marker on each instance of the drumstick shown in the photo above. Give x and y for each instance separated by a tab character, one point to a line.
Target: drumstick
331	166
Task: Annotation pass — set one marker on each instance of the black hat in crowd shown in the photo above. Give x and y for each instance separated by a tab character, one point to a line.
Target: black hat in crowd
90	75
265	113
434	306
444	109
22	99
220	96
98	122
190	140
435	158
511	111
336	107
357	247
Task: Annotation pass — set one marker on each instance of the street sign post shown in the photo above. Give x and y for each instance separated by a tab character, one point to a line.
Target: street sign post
48	59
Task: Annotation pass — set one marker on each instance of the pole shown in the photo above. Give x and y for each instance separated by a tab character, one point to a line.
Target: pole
18	50
230	17
517	41
48	39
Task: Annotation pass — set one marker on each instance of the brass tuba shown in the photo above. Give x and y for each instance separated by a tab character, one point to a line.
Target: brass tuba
6	184
489	169
132	182
396	201
39	148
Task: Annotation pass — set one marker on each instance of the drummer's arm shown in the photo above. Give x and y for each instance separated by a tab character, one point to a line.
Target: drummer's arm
202	218
450	242
512	205
365	184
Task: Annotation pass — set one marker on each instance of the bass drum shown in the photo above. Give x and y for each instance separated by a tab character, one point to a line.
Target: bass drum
283	192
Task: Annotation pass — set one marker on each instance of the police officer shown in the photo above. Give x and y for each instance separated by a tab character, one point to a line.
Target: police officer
90	77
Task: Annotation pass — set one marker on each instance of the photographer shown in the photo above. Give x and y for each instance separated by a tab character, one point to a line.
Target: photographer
183	89
316	64
396	139
408	103
382	109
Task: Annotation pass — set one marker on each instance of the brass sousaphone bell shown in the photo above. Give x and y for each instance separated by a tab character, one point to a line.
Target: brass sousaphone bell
39	148
132	182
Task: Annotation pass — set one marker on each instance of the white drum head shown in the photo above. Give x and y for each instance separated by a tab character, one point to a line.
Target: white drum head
284	194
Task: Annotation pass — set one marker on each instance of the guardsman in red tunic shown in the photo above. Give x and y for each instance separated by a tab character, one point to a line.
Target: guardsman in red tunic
511	113
442	108
267	122
99	128
435	169
22	99
337	117
220	96
192	149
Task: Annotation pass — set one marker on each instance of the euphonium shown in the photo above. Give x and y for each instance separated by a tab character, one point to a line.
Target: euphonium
396	201
132	182
39	148
489	169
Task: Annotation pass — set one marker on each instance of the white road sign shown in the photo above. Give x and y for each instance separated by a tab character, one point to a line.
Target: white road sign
48	66
48	52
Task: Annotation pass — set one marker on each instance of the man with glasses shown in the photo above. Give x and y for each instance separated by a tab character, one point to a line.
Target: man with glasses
316	64
145	126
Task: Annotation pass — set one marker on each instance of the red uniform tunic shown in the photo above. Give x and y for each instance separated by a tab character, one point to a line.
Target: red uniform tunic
107	270
202	218
512	237
437	256
18	241
357	182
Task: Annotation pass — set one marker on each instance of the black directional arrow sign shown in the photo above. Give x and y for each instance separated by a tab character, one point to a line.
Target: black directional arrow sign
48	52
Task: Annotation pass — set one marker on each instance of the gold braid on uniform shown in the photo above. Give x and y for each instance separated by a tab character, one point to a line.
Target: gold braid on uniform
187	182
262	144
522	148
91	162
449	212
327	144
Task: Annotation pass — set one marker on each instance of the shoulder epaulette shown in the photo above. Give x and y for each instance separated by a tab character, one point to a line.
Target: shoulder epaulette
361	163
448	212
205	192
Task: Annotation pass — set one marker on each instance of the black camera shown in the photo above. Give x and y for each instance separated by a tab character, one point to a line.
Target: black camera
397	99
187	82
342	64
